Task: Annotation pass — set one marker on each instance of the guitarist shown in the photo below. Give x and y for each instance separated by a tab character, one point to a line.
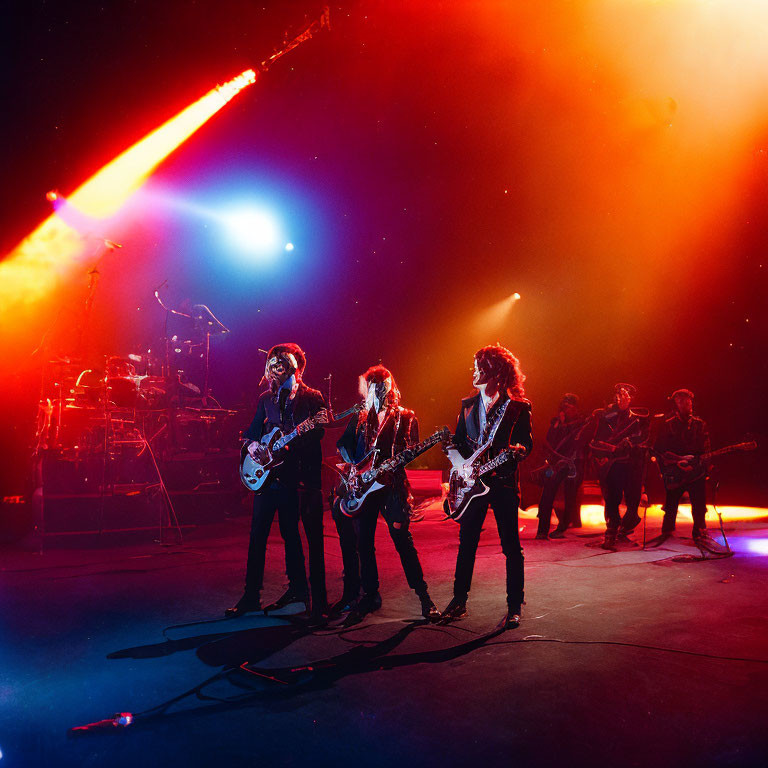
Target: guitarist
619	435
565	453
294	488
385	426
685	434
499	405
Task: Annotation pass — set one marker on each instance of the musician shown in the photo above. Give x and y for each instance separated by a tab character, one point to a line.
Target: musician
565	451
618	438
385	426
498	410
684	434
294	487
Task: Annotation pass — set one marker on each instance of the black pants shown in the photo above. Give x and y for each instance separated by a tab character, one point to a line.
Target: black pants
504	501
357	539
285	502
311	515
697	494
572	506
624	479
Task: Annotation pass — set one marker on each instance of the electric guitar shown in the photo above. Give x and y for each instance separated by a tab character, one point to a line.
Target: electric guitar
255	473
619	447
680	470
465	484
363	479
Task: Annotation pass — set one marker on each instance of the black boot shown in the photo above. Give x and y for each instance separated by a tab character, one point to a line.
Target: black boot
367	603
247	603
344	604
428	608
657	541
288	597
456	609
512	619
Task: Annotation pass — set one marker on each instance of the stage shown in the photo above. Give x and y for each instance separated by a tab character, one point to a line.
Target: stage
625	657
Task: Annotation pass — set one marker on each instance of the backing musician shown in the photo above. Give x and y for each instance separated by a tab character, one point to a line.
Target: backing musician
565	454
499	405
619	435
294	489
387	427
684	434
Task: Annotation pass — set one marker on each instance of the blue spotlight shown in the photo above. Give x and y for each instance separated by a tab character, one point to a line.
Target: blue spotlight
252	230
289	246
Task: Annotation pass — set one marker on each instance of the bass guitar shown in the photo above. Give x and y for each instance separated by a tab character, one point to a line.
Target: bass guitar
465	483
362	480
679	470
256	472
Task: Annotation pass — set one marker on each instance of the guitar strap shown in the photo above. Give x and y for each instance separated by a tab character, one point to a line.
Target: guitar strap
489	433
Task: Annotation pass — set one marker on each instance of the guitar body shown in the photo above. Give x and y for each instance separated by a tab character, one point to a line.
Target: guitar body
604	464
253	474
464	485
356	488
364	480
675	476
353	502
462	494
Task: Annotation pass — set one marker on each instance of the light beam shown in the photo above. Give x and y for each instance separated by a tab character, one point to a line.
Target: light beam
32	269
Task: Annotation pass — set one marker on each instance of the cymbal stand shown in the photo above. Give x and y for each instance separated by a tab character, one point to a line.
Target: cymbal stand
173	520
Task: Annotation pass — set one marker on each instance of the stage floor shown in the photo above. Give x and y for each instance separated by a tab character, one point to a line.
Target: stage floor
628	658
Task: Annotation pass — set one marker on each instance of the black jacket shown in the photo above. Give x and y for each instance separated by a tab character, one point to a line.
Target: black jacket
304	456
515	427
567	439
357	439
682	437
612	425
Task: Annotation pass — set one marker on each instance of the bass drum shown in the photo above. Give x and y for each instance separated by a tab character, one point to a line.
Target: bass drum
123	391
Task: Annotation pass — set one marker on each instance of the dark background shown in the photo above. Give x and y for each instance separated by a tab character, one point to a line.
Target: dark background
427	160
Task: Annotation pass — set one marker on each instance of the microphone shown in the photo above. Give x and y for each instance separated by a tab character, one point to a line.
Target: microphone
111	244
119	720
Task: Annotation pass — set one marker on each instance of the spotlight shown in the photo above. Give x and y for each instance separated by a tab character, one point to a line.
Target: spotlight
289	246
252	230
515	296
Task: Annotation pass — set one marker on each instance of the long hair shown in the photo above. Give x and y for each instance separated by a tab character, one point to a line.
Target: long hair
501	365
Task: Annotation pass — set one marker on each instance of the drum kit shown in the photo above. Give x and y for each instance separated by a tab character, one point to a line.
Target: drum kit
113	407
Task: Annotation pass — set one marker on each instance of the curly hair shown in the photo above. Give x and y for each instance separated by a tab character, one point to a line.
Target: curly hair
499	363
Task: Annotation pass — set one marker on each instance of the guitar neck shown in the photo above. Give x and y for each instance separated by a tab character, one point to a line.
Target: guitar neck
409	454
305	426
493	463
728	449
343	415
